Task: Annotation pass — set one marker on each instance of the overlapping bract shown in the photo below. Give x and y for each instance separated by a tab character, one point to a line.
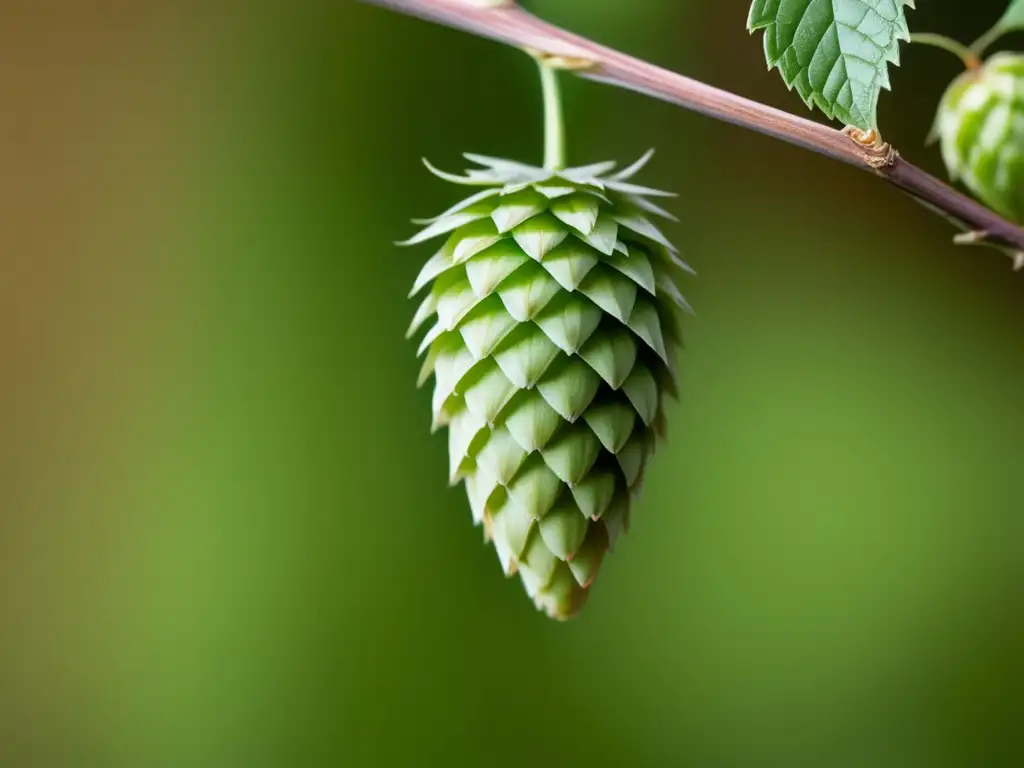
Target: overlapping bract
835	53
554	310
980	125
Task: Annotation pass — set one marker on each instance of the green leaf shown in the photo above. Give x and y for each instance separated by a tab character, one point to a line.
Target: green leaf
613	424
587	561
532	422
501	456
595	494
642	390
578	211
1013	18
570	263
564	529
572	456
526	355
535	490
512	526
612	292
835	53
569	321
612	355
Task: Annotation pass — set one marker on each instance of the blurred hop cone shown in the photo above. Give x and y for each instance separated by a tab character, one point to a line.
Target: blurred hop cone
980	125
555	326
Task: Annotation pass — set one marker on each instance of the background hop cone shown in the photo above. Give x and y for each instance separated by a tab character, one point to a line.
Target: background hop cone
555	322
980	125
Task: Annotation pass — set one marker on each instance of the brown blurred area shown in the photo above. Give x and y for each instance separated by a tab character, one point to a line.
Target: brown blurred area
94	139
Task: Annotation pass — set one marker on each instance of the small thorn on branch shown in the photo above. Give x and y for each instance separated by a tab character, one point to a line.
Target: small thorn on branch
972	238
983	238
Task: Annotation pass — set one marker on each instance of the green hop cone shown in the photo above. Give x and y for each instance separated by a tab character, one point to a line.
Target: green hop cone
980	125
555	322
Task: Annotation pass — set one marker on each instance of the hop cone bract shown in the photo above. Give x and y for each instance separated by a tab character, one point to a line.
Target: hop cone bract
980	125
555	322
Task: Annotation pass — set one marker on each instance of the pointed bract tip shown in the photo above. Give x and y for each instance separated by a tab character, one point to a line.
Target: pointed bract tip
455	179
636	167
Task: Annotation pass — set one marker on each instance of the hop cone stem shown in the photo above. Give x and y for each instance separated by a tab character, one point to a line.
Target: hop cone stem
554	124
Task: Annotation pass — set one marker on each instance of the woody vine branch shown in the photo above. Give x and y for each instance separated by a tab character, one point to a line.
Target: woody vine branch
505	21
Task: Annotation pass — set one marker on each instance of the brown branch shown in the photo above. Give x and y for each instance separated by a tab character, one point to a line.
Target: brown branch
504	21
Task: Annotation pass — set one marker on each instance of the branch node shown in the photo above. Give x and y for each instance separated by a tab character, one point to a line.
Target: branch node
568	63
878	154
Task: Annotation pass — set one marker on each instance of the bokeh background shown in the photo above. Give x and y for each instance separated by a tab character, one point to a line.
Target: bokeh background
225	534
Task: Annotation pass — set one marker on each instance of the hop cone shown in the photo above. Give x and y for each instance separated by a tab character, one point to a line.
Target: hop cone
555	322
980	125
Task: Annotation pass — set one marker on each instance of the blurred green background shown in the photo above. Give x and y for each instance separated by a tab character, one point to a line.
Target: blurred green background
226	538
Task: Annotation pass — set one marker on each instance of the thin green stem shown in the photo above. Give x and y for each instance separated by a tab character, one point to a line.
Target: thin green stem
961	51
986	41
554	125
